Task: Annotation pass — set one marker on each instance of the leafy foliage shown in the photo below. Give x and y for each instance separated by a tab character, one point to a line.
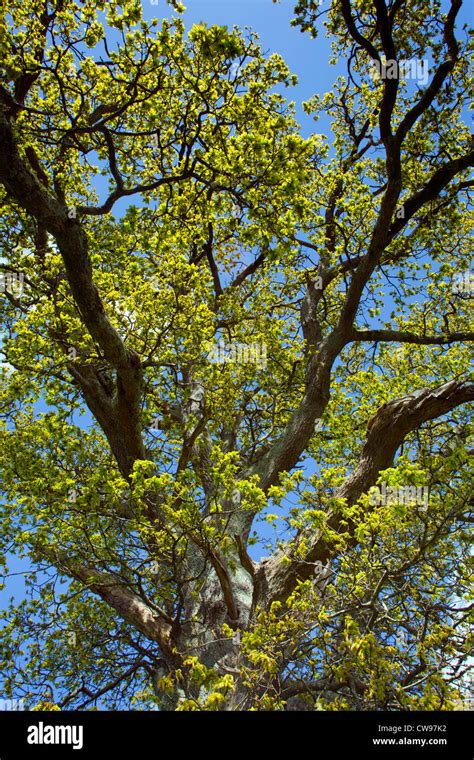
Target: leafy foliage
138	472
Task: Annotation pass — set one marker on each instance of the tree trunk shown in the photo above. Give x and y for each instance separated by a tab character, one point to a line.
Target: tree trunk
206	610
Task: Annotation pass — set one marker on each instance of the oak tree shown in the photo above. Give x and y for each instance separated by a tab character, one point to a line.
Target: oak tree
235	361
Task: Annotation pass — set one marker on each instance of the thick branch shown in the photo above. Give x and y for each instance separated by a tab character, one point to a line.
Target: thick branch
129	605
387	336
385	433
436	183
71	239
439	77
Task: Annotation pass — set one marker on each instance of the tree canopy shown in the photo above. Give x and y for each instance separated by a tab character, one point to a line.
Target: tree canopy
235	361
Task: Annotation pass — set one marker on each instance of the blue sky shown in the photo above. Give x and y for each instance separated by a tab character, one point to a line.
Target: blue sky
306	58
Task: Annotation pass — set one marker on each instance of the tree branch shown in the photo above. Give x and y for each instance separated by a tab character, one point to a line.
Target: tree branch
71	239
387	336
129	605
385	433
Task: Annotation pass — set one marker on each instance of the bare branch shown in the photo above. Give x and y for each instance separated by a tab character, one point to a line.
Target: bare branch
387	336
